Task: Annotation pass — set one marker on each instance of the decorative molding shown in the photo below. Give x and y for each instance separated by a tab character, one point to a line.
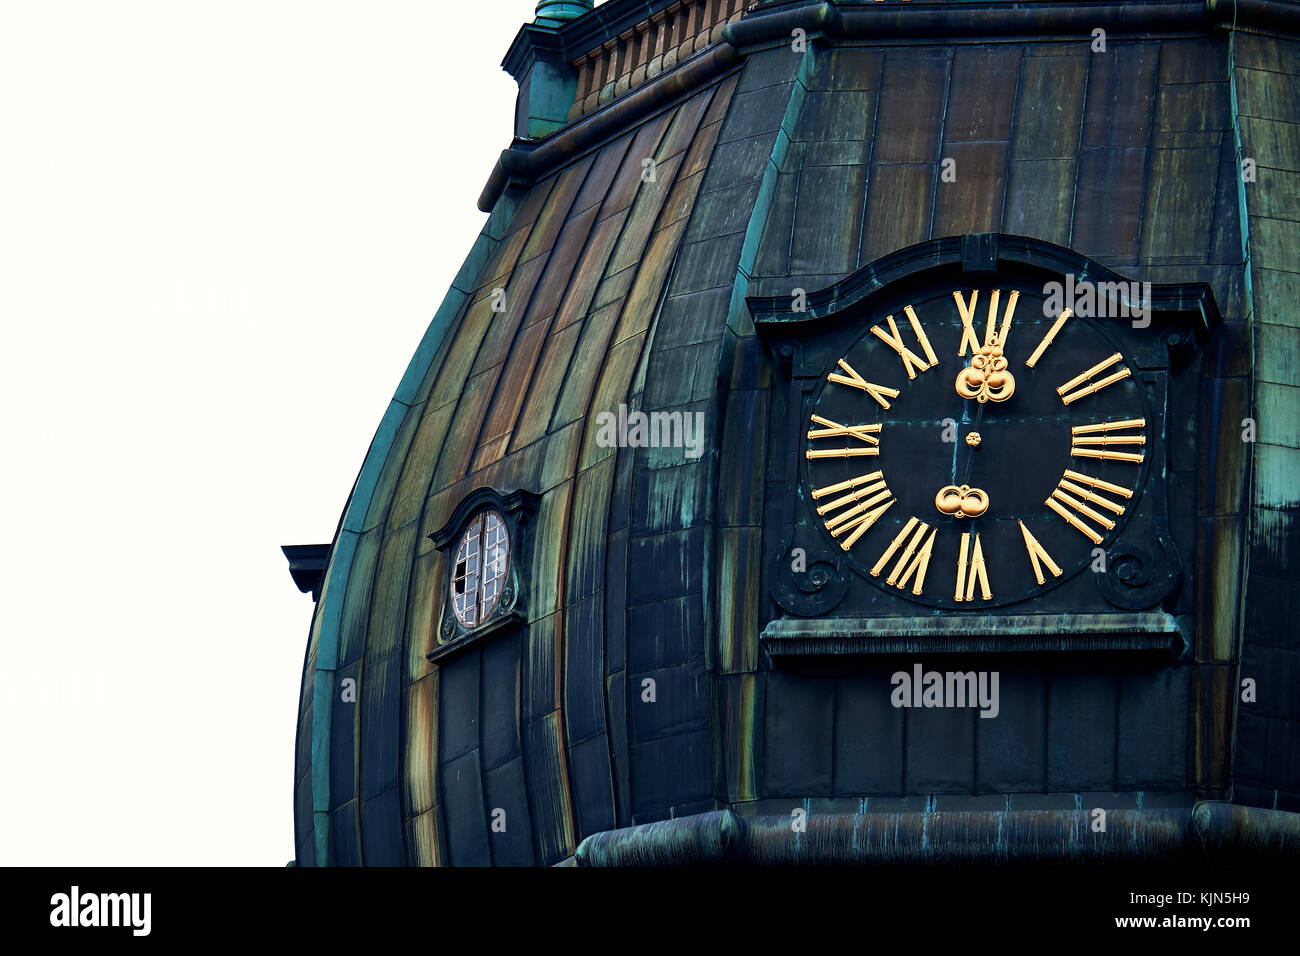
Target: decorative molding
516	508
307	564
946	633
774	319
520	503
595	47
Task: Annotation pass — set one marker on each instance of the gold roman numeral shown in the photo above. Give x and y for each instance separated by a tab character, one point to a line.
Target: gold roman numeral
1091	386
1085	438
967	313
1038	556
895	341
968	573
862	506
852	379
1047	339
1068	492
911	561
864	433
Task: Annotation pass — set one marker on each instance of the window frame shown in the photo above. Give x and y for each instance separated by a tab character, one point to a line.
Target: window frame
507	608
478	533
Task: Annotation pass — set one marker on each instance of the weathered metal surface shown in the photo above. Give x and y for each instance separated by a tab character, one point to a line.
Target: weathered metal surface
475	396
1215	833
1265	75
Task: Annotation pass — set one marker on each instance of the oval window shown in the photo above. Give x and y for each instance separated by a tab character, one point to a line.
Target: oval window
479	574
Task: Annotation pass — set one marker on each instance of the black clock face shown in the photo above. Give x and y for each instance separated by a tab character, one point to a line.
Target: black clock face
974	448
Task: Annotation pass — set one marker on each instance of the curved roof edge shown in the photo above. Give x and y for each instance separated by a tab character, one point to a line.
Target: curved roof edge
329	609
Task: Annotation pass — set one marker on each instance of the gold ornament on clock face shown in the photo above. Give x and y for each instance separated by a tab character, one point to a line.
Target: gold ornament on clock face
1005	444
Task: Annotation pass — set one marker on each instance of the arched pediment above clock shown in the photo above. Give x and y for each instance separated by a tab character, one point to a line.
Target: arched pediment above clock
984	429
1184	312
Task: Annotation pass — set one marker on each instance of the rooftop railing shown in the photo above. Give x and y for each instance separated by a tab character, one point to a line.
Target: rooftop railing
649	48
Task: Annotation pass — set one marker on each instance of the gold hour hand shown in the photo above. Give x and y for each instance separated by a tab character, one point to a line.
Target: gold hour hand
988	378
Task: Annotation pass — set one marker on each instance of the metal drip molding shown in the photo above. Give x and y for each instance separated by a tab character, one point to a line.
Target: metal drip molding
941	633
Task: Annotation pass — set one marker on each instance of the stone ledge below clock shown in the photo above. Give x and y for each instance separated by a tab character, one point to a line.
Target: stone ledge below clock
1142	631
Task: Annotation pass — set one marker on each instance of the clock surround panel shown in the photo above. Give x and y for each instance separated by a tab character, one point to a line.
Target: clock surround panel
1055	476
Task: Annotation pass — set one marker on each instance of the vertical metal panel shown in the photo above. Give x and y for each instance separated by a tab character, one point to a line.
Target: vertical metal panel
458	705
548	787
380	702
500	700
1011	749
799	715
382	834
510	831
1151	751
1081	715
939	750
461	788
868	741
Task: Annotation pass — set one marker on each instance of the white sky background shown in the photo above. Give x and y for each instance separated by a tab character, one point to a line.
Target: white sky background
224	227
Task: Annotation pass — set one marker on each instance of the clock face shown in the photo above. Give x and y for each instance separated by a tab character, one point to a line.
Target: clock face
974	448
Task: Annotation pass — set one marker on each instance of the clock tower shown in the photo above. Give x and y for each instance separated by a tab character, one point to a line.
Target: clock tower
952	511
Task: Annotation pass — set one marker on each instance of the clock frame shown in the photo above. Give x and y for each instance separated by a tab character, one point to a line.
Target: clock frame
1059	446
1098	432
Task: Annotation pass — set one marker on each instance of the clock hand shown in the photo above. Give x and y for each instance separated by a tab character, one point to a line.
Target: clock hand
970	461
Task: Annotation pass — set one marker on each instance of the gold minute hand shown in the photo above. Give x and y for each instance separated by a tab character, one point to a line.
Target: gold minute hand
970	460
